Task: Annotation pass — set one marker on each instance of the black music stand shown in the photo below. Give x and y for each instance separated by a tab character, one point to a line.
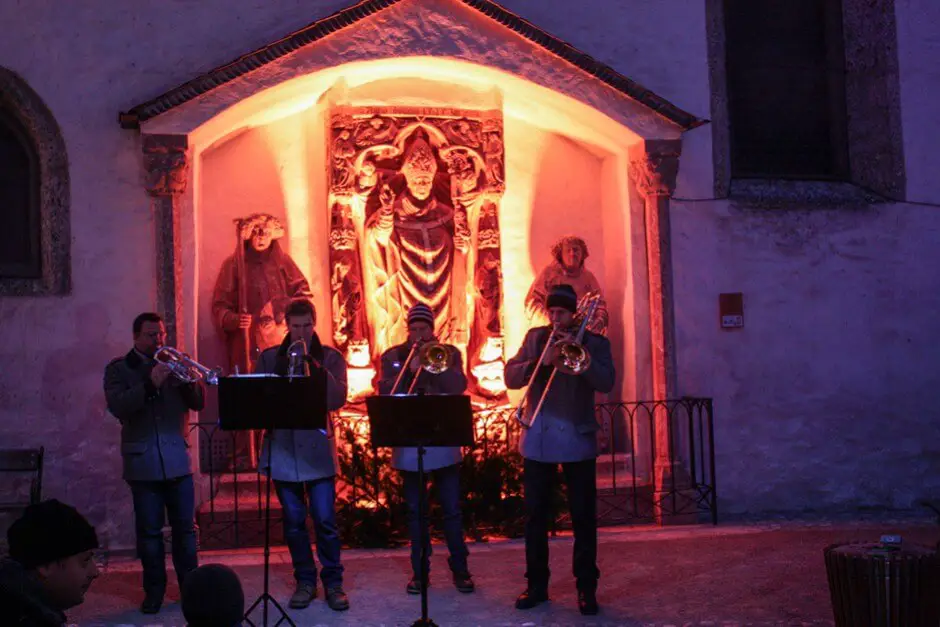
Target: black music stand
270	403
421	421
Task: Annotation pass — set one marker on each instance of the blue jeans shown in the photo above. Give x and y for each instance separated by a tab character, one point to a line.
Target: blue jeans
447	484
320	495
154	502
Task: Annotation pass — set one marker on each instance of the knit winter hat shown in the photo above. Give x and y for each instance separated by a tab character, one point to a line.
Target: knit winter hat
212	596
48	532
421	313
563	296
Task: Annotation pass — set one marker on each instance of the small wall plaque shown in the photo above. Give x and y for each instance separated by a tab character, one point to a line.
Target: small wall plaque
731	310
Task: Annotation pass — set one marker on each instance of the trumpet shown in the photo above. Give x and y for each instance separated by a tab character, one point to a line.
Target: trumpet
185	368
571	357
434	358
297	353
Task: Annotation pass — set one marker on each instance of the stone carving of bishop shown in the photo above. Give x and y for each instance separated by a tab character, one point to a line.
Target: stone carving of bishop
413	241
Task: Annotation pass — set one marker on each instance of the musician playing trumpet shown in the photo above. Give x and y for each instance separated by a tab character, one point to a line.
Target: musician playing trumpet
561	432
152	405
400	374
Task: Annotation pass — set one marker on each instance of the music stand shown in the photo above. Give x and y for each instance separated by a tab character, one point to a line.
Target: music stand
421	421
270	403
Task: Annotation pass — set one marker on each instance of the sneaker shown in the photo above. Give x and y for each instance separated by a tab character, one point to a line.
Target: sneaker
337	599
305	593
530	598
464	582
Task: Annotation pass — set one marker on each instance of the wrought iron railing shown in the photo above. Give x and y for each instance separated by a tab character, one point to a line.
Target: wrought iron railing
643	477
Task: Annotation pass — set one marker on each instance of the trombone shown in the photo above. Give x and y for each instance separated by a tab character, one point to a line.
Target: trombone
434	358
185	368
572	357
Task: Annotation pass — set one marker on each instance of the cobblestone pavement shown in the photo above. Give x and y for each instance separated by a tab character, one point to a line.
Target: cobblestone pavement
752	575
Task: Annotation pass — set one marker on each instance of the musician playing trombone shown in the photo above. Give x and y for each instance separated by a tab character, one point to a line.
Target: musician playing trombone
402	370
152	404
559	428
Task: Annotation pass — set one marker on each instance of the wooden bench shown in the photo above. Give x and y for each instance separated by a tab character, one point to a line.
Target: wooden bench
21	462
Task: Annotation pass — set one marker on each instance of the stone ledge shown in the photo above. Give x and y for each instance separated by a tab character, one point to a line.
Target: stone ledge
770	194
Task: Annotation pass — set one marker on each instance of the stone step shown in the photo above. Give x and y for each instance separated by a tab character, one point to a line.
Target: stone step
248	486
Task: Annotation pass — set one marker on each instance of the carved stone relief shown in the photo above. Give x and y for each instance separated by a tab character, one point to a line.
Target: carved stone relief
414	197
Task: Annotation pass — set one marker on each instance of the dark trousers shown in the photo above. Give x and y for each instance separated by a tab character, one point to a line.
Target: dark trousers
581	484
155	502
447	484
320	495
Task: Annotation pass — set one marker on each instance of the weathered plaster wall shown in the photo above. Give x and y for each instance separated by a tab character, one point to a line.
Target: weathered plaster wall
918	49
824	399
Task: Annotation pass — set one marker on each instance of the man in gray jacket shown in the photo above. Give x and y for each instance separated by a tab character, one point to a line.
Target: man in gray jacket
303	462
563	433
442	463
152	406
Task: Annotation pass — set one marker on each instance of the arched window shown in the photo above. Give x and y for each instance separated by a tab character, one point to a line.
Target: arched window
21	235
35	230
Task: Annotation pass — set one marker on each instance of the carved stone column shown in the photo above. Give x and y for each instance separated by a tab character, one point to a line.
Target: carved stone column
653	169
166	164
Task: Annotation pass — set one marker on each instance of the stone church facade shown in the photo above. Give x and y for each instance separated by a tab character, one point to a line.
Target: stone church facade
672	151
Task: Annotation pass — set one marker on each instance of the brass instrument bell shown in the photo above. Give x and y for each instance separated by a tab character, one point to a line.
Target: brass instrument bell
435	357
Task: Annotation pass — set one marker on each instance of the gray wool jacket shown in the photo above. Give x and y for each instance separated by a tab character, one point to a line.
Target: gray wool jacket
153	421
564	430
300	454
451	381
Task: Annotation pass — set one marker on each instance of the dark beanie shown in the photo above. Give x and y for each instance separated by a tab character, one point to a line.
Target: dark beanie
212	596
563	296
421	313
48	532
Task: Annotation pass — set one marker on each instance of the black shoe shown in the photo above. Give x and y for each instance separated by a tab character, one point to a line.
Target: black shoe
337	599
151	604
530	598
464	583
414	586
587	602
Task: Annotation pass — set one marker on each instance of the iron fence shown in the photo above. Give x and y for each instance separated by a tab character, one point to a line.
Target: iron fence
642	477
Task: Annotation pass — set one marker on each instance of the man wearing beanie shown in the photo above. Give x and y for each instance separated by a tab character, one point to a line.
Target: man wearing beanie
153	406
50	568
562	433
441	463
212	596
